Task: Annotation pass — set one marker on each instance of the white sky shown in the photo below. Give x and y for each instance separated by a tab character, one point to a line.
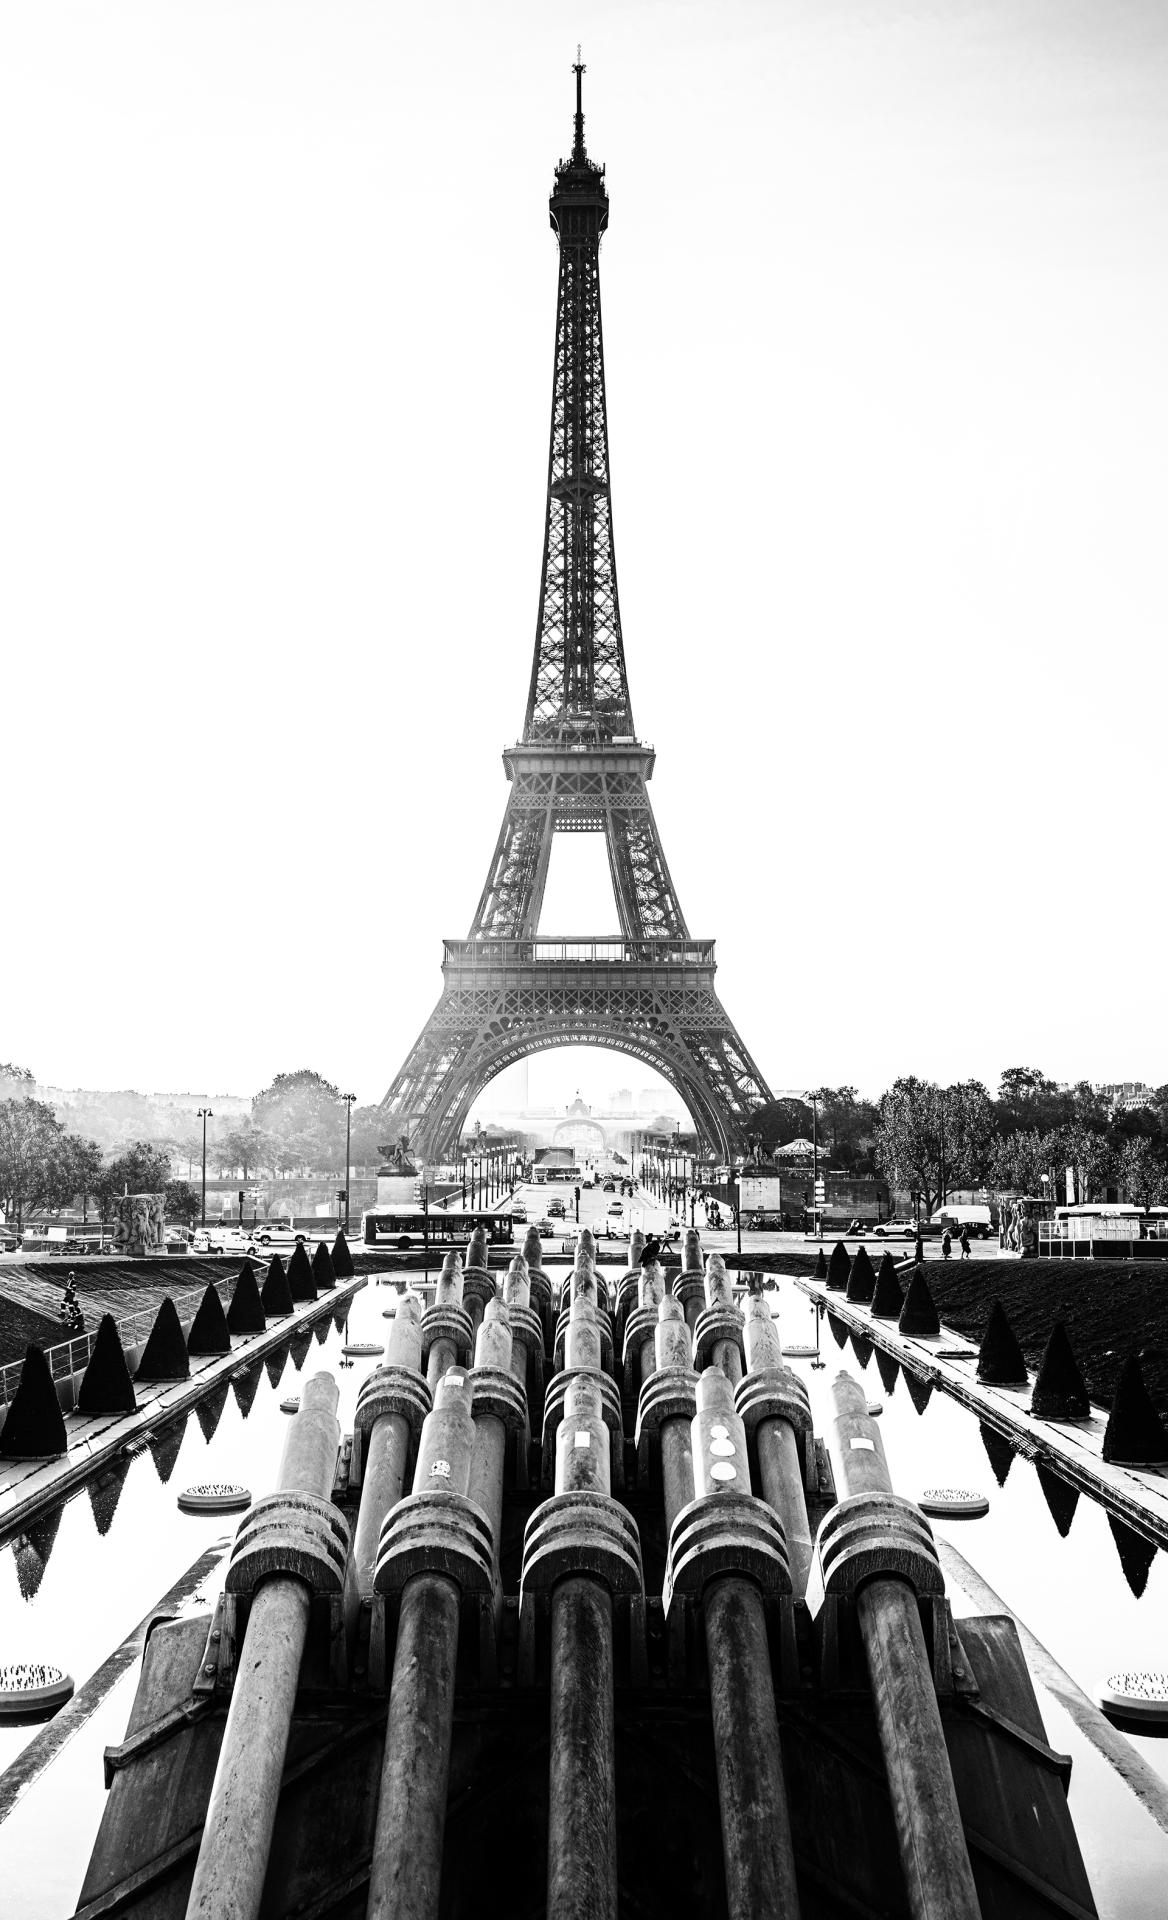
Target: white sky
886	302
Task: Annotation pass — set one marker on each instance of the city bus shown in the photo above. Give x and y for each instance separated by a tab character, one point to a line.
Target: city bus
405	1227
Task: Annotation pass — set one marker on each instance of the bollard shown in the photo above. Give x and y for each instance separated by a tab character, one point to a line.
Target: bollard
881	1549
776	1412
727	1549
287	1547
435	1548
391	1406
666	1408
584	1546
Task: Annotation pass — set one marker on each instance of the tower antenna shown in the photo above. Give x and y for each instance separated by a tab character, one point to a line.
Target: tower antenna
578	153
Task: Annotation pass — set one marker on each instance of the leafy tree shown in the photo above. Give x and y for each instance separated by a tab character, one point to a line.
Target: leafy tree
16	1083
81	1165
246	1148
932	1138
30	1134
1143	1174
781	1121
182	1202
1021	1160
1088	1153
142	1168
304	1114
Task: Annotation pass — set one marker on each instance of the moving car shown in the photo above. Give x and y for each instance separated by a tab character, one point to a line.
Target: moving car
556	1209
518	1211
544	1228
616	1207
895	1230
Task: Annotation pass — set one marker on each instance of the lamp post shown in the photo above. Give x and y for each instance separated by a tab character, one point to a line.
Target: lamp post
348	1099
204	1114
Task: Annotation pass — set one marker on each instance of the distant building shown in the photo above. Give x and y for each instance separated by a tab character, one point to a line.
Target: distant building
1123	1096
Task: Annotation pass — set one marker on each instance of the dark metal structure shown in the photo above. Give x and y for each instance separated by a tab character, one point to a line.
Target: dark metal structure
579	768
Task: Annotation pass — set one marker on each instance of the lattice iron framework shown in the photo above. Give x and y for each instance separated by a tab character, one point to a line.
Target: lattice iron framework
579	768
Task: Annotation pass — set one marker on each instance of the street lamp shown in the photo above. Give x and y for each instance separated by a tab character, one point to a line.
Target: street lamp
348	1099
204	1114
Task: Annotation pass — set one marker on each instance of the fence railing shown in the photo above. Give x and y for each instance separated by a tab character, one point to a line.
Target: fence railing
651	952
70	1356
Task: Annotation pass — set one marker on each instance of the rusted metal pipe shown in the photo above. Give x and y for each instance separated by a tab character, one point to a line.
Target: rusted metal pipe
780	1473
756	1830
406	1873
676	1468
929	1830
582	1878
229	1874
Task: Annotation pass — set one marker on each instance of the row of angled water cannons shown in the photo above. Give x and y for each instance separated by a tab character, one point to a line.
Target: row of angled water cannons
34	1428
1135	1434
727	1426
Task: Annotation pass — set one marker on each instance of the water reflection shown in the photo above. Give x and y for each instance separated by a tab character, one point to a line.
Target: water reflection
209	1410
920	1391
1060	1497
889	1370
322	1330
999	1452
166	1444
31	1552
245	1385
1136	1554
298	1347
106	1490
862	1348
839	1328
275	1363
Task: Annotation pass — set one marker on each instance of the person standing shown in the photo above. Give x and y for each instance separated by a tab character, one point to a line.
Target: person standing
946	1245
964	1242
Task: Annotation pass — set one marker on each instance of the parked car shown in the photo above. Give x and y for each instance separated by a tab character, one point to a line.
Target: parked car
544	1228
9	1240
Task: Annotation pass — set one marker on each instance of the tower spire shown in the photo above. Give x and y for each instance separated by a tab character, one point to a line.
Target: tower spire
579	156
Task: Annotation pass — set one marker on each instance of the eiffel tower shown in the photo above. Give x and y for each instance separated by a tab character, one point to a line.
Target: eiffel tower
509	991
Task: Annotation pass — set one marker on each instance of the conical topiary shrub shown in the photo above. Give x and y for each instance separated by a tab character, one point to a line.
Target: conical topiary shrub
862	1279
1060	1391
1000	1361
209	1330
888	1299
1135	1554
164	1356
35	1426
919	1316
106	1386
839	1328
888	1368
301	1284
999	1452
342	1259
838	1268
276	1295
245	1314
1135	1435
820	1266
322	1268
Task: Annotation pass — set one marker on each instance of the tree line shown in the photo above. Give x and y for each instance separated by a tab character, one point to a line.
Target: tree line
933	1140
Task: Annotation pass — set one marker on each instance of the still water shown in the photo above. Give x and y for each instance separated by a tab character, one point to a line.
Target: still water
81	1579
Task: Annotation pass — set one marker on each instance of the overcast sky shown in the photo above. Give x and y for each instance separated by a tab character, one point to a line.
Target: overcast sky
885	307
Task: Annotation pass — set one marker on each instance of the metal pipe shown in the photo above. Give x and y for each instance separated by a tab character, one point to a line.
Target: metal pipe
406	1869
229	1874
485	1487
752	1797
780	1471
443	1355
383	1478
929	1830
582	1784
676	1468
729	1359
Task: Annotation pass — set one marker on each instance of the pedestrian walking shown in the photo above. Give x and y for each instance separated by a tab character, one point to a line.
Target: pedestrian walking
965	1243
946	1245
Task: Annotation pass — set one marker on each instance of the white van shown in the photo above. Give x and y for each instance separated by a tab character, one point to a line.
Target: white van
978	1219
